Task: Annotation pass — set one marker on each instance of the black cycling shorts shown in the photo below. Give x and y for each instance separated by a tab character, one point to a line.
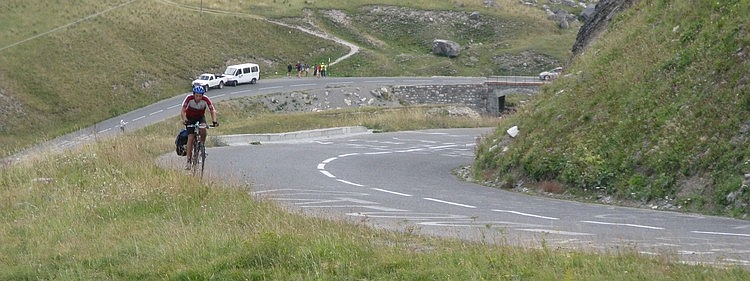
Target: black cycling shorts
191	121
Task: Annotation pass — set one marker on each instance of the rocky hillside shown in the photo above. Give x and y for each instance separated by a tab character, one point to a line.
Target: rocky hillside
655	113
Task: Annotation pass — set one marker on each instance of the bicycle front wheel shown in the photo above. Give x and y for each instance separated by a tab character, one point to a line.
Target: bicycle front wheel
202	159
196	161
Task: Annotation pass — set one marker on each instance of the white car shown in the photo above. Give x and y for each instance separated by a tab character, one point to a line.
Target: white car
208	80
551	74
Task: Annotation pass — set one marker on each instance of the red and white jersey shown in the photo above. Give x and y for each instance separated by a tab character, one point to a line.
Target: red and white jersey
196	109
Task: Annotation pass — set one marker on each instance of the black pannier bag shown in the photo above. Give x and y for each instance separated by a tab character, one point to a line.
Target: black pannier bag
181	143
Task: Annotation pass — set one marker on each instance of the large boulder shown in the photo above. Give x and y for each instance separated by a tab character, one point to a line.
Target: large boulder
446	48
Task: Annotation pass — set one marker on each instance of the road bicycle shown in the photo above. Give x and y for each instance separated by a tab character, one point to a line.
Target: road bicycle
199	149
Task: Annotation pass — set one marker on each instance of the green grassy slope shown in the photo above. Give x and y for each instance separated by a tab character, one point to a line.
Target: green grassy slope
65	65
657	110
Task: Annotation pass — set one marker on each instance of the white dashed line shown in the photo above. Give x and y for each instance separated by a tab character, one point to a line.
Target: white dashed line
302	85
721	233
556	232
139	118
156	112
349	183
176	105
102	131
450	203
525	214
216	96
377	153
392	192
329	160
239	92
268	88
625	224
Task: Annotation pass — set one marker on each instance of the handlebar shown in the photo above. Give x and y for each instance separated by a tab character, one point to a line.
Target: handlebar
197	124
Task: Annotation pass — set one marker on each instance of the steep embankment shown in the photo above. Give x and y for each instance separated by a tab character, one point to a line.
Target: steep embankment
655	112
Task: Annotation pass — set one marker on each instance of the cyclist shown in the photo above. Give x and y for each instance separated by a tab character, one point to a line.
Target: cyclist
194	110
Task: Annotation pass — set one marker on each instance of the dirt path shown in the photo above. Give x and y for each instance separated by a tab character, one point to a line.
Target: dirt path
353	49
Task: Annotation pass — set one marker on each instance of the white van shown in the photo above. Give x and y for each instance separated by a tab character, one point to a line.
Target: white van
242	73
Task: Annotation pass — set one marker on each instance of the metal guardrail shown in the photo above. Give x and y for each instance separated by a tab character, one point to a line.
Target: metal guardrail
515	80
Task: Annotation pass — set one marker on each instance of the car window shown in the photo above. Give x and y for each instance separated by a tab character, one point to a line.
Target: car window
230	71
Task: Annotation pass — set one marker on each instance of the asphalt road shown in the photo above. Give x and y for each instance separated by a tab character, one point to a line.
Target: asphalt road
402	181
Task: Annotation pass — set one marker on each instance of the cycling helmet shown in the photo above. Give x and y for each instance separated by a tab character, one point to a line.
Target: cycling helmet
199	90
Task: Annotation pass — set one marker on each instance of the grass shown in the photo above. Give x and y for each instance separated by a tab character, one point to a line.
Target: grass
107	211
653	112
97	59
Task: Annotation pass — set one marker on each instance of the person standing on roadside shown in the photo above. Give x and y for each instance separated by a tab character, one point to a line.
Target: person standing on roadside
289	70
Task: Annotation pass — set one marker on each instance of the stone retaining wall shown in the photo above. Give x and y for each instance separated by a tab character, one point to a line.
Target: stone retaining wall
479	97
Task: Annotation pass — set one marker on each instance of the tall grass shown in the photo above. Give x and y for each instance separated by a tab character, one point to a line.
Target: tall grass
108	211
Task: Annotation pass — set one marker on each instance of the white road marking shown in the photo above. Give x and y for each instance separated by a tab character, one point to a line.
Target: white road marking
525	214
302	85
321	166
349	183
380	152
339	83
407	216
156	112
721	233
736	261
139	118
102	131
379	208
329	160
328	174
176	105
482	224
268	88
391	192
450	203
625	224
243	91
556	232
349	154
216	96
342	199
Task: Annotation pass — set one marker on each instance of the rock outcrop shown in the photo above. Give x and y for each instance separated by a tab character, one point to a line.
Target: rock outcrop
603	13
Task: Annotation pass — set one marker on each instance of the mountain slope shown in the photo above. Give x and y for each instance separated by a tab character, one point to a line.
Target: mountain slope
656	111
93	60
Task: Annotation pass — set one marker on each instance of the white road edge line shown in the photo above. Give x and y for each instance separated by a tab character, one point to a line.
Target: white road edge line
328	174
